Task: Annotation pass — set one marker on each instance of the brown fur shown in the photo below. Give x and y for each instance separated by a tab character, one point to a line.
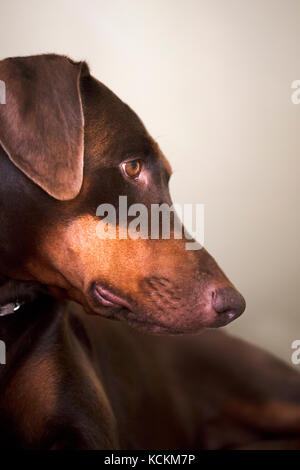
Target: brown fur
79	381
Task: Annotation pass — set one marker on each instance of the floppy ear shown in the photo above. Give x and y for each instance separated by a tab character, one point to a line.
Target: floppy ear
42	123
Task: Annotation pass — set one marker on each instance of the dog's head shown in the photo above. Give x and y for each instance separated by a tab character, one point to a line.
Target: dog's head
69	145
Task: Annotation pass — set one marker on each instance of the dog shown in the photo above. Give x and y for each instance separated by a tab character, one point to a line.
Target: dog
78	381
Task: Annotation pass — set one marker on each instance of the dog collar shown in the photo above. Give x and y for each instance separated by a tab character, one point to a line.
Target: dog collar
8	309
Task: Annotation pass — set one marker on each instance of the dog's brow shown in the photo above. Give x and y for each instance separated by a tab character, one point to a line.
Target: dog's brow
164	160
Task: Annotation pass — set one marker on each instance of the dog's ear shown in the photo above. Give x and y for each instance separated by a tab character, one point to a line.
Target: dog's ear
42	123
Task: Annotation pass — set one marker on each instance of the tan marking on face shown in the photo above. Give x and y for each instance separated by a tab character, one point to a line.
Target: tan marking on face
159	278
79	256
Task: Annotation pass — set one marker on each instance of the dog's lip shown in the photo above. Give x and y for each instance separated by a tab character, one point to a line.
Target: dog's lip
153	328
107	298
122	310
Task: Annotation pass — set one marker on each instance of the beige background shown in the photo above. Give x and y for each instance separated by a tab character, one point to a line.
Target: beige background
212	81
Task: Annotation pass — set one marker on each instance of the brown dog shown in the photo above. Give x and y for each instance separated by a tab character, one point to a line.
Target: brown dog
69	144
76	144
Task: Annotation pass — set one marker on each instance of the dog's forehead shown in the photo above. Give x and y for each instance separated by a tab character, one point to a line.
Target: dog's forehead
113	131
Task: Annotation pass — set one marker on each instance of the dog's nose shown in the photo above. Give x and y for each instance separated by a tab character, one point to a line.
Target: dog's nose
228	303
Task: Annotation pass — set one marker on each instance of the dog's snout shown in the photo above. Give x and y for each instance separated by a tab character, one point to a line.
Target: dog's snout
228	302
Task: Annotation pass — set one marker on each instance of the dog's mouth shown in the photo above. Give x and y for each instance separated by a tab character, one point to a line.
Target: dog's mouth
110	304
106	298
116	307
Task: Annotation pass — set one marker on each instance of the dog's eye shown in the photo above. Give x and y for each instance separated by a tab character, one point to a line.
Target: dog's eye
133	169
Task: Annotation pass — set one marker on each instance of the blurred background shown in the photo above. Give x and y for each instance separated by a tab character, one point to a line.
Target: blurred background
211	79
